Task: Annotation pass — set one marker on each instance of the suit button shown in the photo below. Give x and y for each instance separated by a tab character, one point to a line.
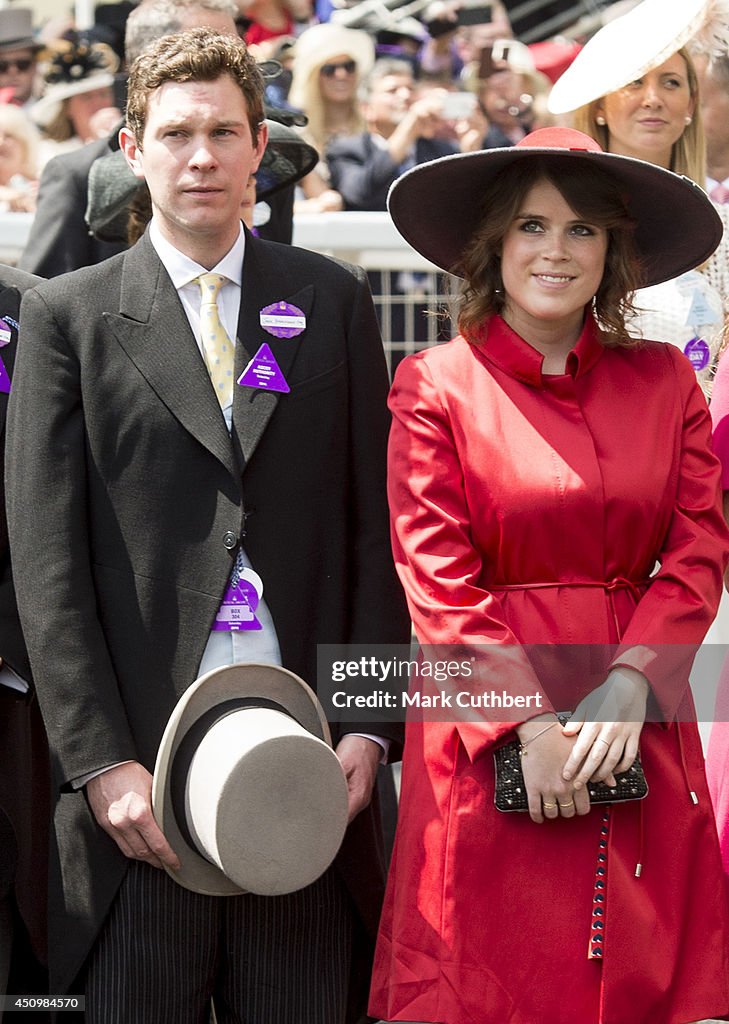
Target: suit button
229	540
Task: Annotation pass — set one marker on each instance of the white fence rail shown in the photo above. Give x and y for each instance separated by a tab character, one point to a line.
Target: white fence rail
408	290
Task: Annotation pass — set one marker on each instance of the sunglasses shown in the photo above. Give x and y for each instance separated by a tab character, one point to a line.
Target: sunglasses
330	70
24	64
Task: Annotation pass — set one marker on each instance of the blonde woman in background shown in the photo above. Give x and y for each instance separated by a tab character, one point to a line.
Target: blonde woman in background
329	64
635	90
18	160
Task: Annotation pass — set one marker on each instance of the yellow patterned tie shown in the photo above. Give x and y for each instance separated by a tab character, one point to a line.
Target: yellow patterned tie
217	346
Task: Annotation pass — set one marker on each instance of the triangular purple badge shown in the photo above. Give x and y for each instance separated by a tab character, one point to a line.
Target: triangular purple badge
4	379
264	372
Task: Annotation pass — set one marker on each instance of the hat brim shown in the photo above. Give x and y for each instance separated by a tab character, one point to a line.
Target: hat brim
45	109
435	207
25	43
113	185
625	49
247	680
286	159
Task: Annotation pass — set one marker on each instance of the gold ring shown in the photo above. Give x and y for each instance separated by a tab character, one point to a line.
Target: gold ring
548	805
570	803
601	740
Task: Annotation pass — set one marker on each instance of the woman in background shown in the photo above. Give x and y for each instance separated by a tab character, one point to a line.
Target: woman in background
19	141
330	62
634	89
77	102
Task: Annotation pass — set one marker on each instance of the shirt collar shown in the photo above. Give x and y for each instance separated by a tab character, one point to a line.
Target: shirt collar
183	270
506	349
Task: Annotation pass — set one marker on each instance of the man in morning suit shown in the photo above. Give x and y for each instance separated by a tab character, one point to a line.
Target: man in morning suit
153	476
24	782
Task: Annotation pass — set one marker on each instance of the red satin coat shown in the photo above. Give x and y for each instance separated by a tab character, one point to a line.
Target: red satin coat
500	476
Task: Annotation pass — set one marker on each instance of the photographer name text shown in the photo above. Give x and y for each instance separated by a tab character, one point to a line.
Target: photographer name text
443	699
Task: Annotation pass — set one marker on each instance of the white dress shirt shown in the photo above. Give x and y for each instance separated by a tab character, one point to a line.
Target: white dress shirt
224	647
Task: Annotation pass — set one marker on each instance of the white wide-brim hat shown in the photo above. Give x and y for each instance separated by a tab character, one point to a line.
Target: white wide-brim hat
634	44
437	206
318	45
247	789
47	107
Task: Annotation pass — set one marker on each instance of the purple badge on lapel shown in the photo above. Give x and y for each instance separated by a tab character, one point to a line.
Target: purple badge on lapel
698	353
4	379
238	607
264	372
283	320
5	335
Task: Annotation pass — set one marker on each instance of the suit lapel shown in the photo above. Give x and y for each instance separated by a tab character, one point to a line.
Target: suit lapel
9	313
154	332
262	285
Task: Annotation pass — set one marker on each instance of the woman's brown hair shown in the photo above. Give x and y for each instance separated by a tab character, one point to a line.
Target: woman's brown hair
595	196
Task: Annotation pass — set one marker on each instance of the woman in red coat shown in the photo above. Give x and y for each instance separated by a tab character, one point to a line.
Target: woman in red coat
551	483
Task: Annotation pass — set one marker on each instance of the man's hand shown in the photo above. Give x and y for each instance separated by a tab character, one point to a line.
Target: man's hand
121	800
359	758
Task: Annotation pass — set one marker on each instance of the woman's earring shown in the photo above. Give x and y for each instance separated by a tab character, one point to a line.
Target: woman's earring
687	120
601	120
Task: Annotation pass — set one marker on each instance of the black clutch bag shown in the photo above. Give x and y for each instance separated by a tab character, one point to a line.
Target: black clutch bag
511	795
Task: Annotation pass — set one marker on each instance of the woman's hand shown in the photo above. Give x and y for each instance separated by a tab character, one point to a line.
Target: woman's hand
607	724
543	759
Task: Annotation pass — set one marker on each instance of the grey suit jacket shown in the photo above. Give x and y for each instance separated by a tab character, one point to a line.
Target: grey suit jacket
118	521
59	239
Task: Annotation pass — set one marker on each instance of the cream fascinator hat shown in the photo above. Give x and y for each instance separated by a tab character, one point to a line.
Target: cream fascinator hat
73	69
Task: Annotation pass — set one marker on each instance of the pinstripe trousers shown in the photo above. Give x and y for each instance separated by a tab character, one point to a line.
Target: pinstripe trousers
164	952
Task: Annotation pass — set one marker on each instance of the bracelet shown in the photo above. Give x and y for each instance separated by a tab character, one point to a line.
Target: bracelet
523	746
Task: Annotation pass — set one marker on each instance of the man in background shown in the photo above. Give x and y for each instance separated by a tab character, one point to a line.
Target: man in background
18	55
24	774
403	130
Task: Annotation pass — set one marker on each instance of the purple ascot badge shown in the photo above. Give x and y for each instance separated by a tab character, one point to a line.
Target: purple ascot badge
242	597
698	353
263	372
4	379
283	320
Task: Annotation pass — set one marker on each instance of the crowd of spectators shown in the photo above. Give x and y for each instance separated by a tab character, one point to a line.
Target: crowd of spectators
461	82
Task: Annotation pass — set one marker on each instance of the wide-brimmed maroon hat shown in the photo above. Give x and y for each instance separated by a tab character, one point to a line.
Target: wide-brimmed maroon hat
436	206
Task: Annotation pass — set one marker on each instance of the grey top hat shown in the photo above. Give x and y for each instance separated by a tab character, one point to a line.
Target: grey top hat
16	29
247	789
